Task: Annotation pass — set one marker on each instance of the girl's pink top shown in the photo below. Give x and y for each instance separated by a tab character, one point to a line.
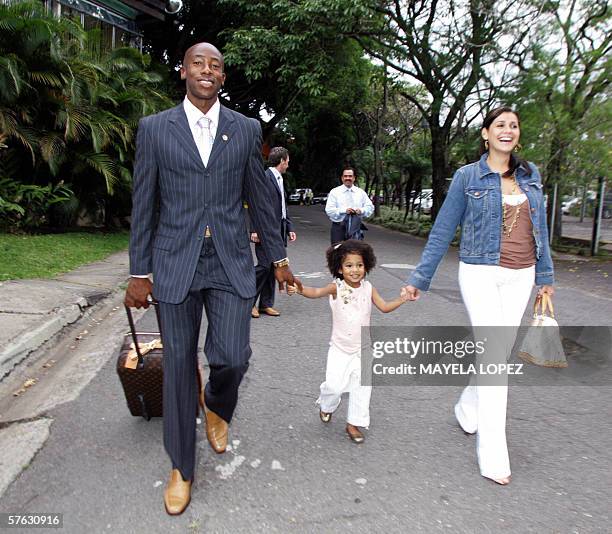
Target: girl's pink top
351	310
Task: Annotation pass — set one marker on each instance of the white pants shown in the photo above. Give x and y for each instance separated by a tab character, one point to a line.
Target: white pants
493	296
343	374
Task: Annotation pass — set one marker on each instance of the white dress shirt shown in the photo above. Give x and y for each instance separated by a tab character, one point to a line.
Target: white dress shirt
279	183
340	198
193	116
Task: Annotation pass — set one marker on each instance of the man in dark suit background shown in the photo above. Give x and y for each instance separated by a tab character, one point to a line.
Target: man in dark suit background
194	165
278	161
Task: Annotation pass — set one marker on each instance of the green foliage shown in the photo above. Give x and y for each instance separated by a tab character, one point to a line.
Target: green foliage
27	206
323	127
307	68
68	108
288	55
394	219
44	256
563	96
291	42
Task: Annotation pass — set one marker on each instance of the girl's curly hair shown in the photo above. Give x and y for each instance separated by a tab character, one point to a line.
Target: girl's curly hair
336	254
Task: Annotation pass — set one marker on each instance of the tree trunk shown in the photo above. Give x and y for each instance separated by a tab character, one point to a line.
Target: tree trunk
410	186
366	186
554	172
439	167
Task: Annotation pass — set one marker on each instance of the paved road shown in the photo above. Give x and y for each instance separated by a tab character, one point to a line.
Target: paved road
572	227
287	472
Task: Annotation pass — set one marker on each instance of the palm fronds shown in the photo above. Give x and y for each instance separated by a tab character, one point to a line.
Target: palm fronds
68	107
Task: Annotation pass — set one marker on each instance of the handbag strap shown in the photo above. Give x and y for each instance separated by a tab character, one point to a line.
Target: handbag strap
547	302
128	310
537	306
543	306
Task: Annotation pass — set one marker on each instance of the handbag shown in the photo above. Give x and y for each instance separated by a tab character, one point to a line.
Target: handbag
542	344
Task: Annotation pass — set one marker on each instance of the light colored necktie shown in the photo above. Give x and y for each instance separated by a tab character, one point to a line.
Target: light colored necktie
206	139
350	198
279	181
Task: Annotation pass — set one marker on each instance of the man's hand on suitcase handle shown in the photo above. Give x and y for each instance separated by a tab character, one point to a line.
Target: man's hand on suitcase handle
138	292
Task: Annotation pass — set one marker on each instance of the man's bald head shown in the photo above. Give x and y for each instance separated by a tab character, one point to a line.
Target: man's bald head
201	49
203	72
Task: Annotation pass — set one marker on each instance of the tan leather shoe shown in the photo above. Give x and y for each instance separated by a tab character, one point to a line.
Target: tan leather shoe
216	431
177	495
355	434
270	311
255	312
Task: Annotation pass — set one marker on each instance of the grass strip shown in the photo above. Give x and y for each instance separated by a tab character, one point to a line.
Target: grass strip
47	255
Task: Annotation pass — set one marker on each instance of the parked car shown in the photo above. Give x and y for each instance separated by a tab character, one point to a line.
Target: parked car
319	198
299	196
568	204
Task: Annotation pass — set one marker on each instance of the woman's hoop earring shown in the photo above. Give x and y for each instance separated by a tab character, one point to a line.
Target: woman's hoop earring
486	143
518	147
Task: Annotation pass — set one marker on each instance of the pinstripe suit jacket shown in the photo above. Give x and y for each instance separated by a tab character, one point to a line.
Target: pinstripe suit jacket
175	197
277	203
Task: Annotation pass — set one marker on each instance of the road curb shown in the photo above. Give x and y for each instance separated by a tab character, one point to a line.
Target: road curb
25	343
35	311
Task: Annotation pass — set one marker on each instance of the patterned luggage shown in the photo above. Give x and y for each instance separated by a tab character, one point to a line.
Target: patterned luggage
139	367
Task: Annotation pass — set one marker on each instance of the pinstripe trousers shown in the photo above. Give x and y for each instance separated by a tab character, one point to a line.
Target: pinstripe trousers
264	272
226	347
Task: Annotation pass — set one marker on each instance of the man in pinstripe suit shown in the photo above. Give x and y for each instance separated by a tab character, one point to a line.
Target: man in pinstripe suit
194	165
278	159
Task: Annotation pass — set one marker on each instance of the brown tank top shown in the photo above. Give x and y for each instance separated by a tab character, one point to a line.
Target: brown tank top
518	249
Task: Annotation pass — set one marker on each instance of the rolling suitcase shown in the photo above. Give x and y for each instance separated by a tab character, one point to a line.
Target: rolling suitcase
140	370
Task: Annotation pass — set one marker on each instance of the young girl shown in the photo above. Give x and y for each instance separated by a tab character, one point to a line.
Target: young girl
350	299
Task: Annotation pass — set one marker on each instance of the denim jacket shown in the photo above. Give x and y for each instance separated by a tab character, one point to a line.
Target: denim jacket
474	201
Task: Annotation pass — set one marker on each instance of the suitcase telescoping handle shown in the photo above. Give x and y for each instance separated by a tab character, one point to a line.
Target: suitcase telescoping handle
133	328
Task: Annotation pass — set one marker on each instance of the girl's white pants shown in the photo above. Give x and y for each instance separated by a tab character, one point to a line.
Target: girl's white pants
343	374
493	296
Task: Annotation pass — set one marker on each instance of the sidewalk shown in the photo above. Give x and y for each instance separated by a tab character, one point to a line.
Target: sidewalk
583	231
35	311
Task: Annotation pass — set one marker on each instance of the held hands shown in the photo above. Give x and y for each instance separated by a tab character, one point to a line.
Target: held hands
353	211
284	276
137	293
293	290
409	293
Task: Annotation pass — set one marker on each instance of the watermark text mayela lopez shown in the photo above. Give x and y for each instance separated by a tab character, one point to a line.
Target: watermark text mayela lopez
417	349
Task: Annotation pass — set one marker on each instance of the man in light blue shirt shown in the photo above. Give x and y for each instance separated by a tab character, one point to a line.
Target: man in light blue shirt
344	201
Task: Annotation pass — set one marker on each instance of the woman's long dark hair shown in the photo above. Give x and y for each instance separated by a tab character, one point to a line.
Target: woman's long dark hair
515	161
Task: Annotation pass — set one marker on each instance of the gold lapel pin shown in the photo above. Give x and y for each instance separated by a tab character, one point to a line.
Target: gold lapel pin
224	137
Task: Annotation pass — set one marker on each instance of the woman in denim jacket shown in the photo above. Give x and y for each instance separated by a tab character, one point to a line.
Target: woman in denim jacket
504	250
